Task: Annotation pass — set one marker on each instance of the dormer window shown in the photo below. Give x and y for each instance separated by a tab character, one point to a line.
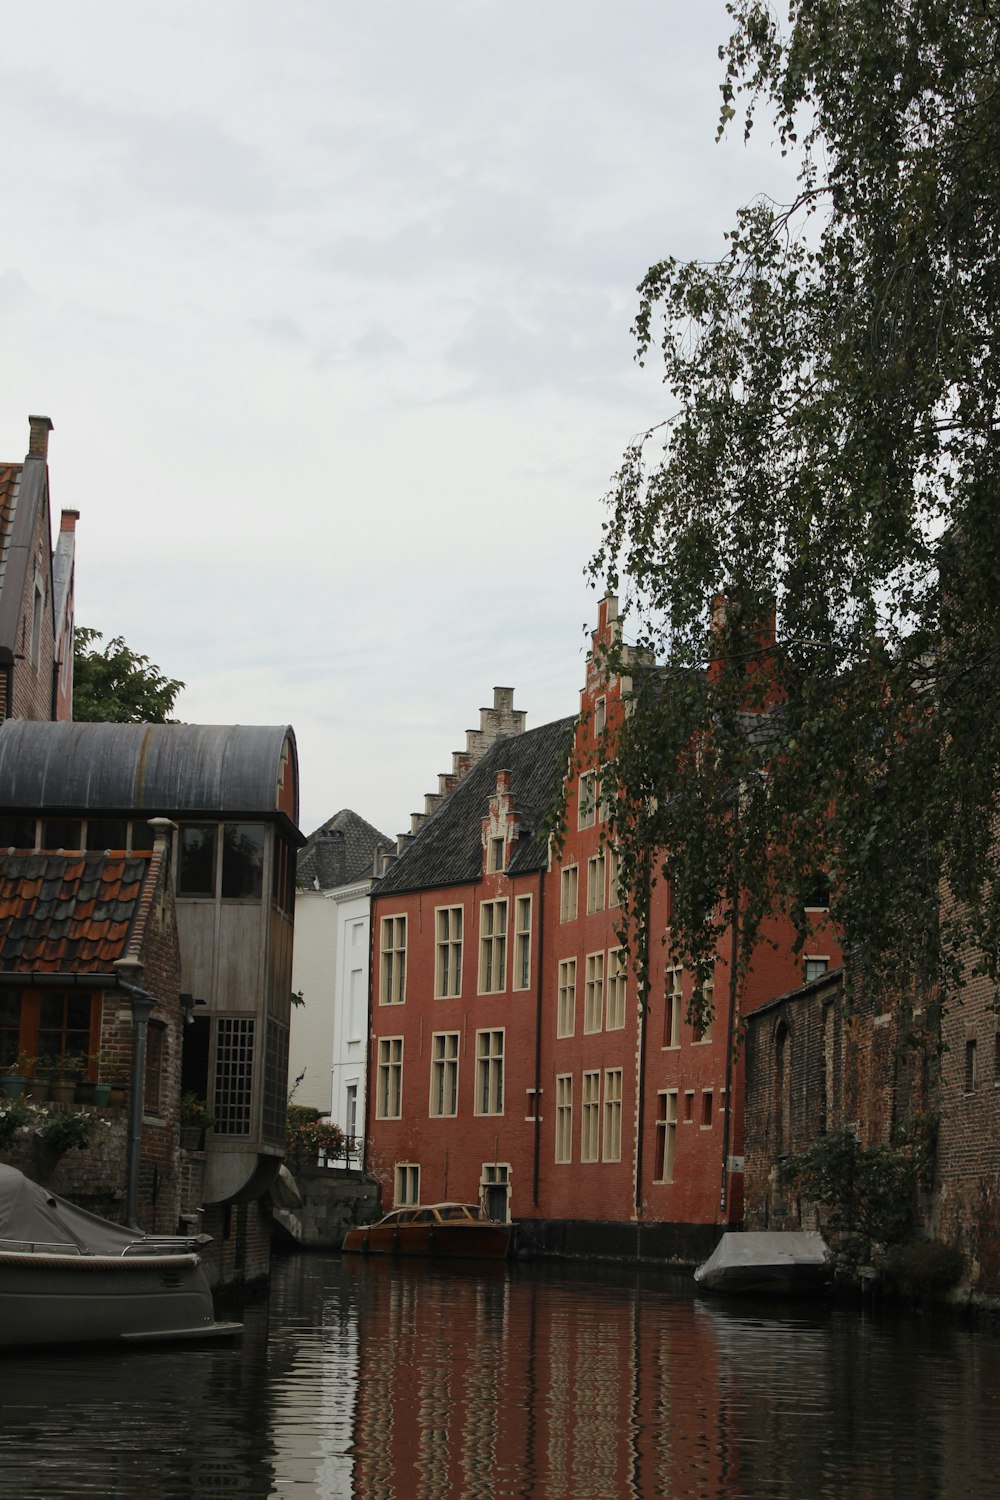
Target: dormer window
496	852
600	715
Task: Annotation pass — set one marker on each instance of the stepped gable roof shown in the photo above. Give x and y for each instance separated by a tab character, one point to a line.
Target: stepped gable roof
227	770
62	912
339	852
448	850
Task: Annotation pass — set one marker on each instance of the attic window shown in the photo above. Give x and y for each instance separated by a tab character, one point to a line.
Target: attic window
496	855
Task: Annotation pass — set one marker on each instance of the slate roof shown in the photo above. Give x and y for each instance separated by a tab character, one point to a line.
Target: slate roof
62	912
339	852
448	850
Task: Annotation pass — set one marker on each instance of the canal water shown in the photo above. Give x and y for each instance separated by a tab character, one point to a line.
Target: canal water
414	1382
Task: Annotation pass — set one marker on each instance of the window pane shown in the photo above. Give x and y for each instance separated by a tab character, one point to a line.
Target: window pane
62	833
243	860
106	833
17	833
196	876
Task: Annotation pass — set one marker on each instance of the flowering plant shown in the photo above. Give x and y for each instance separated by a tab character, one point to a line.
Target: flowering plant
307	1139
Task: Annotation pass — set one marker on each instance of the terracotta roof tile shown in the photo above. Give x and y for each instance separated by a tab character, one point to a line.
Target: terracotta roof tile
63	912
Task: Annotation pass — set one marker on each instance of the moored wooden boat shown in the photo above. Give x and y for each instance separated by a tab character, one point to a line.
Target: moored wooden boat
69	1277
766	1261
437	1229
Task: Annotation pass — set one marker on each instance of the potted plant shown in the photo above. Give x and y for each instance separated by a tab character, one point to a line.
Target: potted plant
40	1082
195	1119
68	1069
14	1077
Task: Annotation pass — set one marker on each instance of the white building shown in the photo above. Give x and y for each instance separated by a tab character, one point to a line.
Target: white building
328	1047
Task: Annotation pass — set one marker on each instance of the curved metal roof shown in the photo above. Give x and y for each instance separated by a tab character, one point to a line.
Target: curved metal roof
159	768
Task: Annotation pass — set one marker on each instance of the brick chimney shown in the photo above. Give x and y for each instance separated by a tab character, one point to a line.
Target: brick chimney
68	520
38	442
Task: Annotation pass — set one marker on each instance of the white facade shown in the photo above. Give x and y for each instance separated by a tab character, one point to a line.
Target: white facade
328	1046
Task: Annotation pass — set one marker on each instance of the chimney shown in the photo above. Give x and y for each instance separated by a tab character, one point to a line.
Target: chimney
38	441
68	520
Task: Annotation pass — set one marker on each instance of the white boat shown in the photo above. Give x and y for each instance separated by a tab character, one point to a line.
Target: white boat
69	1277
771	1261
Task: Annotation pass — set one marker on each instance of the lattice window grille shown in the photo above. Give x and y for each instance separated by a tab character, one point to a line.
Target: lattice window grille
234	1057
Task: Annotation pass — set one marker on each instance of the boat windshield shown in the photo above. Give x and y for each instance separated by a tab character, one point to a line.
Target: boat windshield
456	1211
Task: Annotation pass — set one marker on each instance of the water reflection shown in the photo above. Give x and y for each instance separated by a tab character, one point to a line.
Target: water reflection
380	1382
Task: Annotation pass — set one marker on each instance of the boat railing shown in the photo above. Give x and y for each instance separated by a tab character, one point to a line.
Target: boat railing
40	1247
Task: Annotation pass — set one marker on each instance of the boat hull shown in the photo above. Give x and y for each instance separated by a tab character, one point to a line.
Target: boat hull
481	1241
768	1263
86	1299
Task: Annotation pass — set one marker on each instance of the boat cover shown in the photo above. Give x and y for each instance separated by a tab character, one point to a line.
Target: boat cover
30	1214
762	1250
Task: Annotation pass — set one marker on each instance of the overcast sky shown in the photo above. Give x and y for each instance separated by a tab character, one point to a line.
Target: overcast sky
330	305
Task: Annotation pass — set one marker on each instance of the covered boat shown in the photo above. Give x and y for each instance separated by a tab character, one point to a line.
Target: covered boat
439	1229
69	1277
772	1261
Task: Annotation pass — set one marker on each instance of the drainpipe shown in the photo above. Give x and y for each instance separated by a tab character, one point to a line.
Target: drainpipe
538	1040
731	1018
640	1100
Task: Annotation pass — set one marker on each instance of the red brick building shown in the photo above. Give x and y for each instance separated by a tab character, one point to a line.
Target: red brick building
36	590
513	1061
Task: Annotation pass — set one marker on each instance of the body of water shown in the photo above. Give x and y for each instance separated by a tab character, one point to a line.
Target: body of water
369	1379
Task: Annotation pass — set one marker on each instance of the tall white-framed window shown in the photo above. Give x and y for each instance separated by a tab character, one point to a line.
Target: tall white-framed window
444	1073
389	1079
492	947
617	983
522	943
593	994
569	893
564	1117
612	1114
489	1072
614	877
590	1122
600	715
703	1029
672	1009
595	883
406	1187
392	947
351	1114
495	853
666	1135
448	925
586	809
566	999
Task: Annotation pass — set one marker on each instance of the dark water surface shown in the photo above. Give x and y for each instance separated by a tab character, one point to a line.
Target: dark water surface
411	1382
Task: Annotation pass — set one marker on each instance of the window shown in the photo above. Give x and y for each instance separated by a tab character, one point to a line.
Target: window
614	878
406	1187
522	943
703	1032
672	1009
448	953
593	995
707	1099
564	1117
232	1095
569	880
351	1114
37	610
586	808
612	1114
242	861
600	715
590	1125
566	1009
817	894
45	1023
489	1072
595	883
389	1096
666	1135
970	1067
492	947
495	863
283	875
106	833
444	1073
617	981
196	861
815	967
392	985
62	833
689	1107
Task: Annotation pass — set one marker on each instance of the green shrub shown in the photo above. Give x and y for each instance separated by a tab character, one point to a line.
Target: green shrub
14	1115
307	1138
920	1268
61	1132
